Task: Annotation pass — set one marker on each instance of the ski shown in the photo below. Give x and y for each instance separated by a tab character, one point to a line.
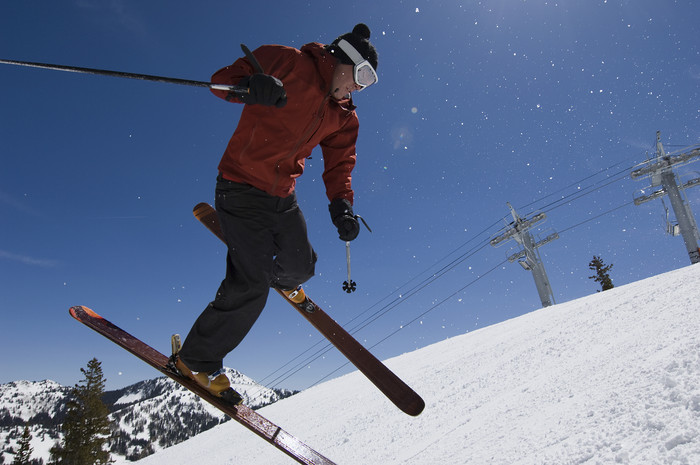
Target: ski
247	417
384	379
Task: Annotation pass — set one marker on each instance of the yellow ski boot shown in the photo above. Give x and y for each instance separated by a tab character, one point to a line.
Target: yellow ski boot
216	382
298	296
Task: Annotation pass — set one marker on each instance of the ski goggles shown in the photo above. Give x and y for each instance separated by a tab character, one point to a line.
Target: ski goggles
363	72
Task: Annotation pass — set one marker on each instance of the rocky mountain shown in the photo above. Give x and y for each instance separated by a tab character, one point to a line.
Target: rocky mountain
147	416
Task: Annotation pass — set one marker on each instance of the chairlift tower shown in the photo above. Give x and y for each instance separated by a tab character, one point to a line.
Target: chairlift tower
529	257
664	178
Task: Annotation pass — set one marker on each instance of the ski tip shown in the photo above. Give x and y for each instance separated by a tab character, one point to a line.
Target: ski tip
79	312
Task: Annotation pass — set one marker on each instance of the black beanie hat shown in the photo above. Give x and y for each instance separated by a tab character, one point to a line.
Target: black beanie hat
358	38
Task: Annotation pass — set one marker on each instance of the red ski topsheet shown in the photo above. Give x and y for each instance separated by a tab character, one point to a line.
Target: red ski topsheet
255	422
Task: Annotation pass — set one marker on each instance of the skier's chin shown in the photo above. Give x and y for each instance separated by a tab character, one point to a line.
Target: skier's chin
339	94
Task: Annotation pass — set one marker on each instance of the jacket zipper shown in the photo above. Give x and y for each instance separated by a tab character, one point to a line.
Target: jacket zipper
313	127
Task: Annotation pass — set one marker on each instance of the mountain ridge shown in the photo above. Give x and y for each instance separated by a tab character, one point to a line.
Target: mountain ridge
147	416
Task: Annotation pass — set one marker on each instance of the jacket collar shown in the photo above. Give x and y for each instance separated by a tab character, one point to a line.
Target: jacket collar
325	64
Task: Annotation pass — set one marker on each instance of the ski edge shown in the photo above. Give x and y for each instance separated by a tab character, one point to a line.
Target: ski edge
247	417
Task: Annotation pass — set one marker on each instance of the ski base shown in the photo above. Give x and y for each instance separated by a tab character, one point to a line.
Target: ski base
247	417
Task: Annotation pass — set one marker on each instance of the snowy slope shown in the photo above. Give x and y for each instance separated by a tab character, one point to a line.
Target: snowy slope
610	378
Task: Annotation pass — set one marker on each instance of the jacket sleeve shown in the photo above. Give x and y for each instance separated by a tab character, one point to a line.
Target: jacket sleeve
339	159
274	59
232	76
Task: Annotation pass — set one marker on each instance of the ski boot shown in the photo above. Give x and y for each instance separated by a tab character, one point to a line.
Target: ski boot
298	296
215	383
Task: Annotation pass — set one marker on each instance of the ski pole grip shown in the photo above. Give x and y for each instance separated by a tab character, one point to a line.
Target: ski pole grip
228	88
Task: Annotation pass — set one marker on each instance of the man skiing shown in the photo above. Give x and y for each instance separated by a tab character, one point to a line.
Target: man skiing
300	99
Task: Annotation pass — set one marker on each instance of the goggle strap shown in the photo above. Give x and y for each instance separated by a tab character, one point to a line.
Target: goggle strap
350	51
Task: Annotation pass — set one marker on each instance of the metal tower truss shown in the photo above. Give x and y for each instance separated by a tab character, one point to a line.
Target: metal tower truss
528	257
665	182
521	254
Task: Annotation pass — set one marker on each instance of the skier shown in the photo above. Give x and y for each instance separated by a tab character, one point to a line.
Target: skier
300	99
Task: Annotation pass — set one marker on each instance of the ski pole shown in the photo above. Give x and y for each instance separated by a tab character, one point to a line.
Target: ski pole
349	285
145	77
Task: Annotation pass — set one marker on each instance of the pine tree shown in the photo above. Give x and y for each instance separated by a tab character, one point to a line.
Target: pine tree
24	454
601	273
86	428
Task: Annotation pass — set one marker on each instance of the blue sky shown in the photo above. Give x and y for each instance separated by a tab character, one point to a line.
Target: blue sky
478	104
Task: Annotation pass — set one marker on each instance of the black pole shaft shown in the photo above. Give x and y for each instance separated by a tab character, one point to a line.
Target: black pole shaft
254	61
145	77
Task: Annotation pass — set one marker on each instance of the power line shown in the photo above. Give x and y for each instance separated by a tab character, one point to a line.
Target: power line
566	199
393	333
396	301
375	316
580	181
402	327
597	216
586	191
383	310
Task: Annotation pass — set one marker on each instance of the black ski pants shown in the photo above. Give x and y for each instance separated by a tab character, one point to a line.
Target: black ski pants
268	246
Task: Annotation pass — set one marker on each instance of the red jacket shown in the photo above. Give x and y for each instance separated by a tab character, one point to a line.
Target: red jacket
270	144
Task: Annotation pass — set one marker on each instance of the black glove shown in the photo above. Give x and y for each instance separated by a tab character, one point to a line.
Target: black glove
344	219
263	89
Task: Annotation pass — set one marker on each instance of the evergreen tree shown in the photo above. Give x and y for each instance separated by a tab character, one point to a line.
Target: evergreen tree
86	428
24	454
601	273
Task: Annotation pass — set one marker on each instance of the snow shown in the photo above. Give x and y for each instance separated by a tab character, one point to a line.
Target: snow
129	398
26	399
610	378
19	397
